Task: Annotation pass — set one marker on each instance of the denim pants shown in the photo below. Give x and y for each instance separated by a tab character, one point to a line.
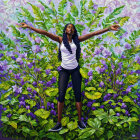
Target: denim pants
76	77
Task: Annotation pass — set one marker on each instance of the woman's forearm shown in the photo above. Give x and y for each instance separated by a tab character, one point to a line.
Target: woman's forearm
40	31
43	32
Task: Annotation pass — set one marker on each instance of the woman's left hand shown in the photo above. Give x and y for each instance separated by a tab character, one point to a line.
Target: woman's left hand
115	27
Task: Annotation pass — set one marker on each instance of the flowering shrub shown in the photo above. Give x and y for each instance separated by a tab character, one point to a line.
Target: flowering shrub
29	70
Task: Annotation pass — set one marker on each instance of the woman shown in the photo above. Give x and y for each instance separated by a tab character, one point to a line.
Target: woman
69	53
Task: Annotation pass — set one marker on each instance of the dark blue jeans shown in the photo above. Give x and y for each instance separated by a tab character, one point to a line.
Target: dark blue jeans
76	77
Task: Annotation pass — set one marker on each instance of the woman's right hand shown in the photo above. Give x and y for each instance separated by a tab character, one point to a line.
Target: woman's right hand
24	25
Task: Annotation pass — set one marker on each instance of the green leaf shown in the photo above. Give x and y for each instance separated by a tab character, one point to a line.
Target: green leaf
84	72
118	109
99	132
74	10
69	19
95	104
72	125
110	134
64	121
90	88
61	7
42	113
111	112
111	91
134	109
133	119
63	131
33	133
51	91
25	129
87	134
14	100
5	102
4	119
127	99
53	136
123	20
13	124
31	102
21	110
93	95
23	118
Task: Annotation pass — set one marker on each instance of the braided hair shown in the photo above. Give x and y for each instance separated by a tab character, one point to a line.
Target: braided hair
67	45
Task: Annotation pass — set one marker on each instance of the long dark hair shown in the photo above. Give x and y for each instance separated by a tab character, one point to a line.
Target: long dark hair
66	43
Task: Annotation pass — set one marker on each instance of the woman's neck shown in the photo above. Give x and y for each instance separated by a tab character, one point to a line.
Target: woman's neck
69	38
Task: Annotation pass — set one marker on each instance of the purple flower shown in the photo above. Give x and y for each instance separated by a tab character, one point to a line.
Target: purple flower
93	108
124	75
34	92
128	89
89	104
102	70
27	107
52	105
137	58
118	71
112	66
121	82
53	80
90	78
116	21
110	102
22	98
120	65
37	69
1	54
9	115
30	65
118	114
13	57
36	49
17	76
34	83
137	41
101	48
90	73
83	93
37	40
29	89
22	103
32	115
95	6
43	107
103	61
126	112
101	84
102	106
17	90
97	51
22	82
48	84
123	105
127	46
4	109
106	53
117	81
115	96
48	71
48	104
123	56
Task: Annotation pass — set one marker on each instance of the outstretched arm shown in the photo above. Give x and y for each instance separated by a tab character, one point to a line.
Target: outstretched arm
40	31
87	36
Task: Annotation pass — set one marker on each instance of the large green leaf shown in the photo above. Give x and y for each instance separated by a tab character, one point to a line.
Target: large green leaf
13	124
31	102
42	113
93	95
65	121
72	125
74	10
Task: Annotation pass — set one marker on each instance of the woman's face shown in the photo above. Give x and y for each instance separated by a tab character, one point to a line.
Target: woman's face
70	29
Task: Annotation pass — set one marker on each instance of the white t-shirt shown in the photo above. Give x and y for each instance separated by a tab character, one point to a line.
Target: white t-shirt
69	60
